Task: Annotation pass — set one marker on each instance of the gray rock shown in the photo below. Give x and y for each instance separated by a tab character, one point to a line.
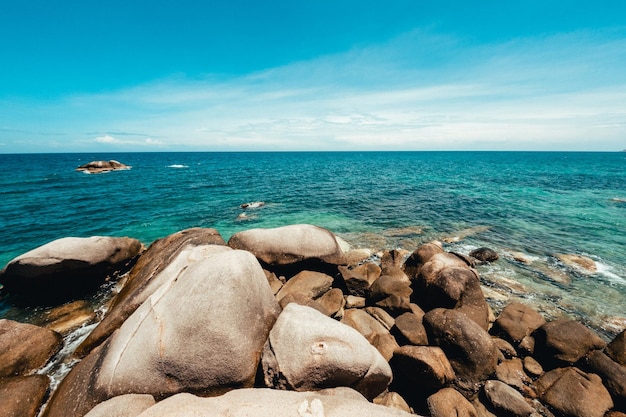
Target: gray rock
506	400
335	402
22	396
164	260
469	348
573	393
290	244
67	268
129	405
448	402
203	333
25	348
312	351
99	167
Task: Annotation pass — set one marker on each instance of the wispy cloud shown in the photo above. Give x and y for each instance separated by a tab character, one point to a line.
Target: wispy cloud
419	91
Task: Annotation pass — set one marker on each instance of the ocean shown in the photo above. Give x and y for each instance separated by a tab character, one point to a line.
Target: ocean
525	205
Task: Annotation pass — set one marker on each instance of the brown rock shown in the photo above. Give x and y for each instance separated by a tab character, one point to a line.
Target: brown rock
612	373
469	348
302	300
573	393
508	351
506	400
372	330
69	317
393	400
578	262
564	342
290	244
22	396
533	367
355	302
420	256
275	283
423	366
311	284
333	302
128	405
24	348
517	321
382	316
484	254
359	279
409	329
149	273
392	259
67	268
511	372
616	350
448	402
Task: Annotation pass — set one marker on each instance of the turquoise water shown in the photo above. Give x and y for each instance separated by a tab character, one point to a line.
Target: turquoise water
537	203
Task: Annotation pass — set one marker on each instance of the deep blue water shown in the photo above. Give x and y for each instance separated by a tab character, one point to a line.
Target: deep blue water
531	202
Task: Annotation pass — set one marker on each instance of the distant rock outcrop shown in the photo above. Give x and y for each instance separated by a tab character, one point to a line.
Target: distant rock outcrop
98	167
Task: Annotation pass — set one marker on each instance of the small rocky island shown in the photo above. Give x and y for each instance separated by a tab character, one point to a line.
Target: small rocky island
99	167
293	322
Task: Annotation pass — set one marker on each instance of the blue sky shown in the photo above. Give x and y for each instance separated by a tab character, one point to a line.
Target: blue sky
89	76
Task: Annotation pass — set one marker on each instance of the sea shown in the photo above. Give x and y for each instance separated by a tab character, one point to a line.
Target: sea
527	206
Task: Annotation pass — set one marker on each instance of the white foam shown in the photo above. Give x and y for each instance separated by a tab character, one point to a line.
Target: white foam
606	271
178	166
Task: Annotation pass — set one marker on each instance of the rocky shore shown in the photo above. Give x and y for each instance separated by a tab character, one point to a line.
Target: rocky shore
289	322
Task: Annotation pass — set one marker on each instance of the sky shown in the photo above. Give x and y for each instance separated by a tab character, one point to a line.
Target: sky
126	76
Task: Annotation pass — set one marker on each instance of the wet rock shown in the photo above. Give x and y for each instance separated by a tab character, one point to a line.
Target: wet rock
616	350
517	321
289	244
334	402
129	405
99	167
312	351
409	329
25	348
426	367
310	284
578	262
612	373
506	400
373	331
67	268
469	348
564	341
449	402
164	260
69	317
484	254
208	344
573	393
22	396
359	279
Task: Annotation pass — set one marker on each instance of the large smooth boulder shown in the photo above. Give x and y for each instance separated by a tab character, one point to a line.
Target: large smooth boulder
24	348
469	348
517	321
563	341
259	402
99	167
160	263
573	393
202	333
419	257
67	268
129	405
307	350
22	396
290	244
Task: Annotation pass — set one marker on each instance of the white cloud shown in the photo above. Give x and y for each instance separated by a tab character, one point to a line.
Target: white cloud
561	92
